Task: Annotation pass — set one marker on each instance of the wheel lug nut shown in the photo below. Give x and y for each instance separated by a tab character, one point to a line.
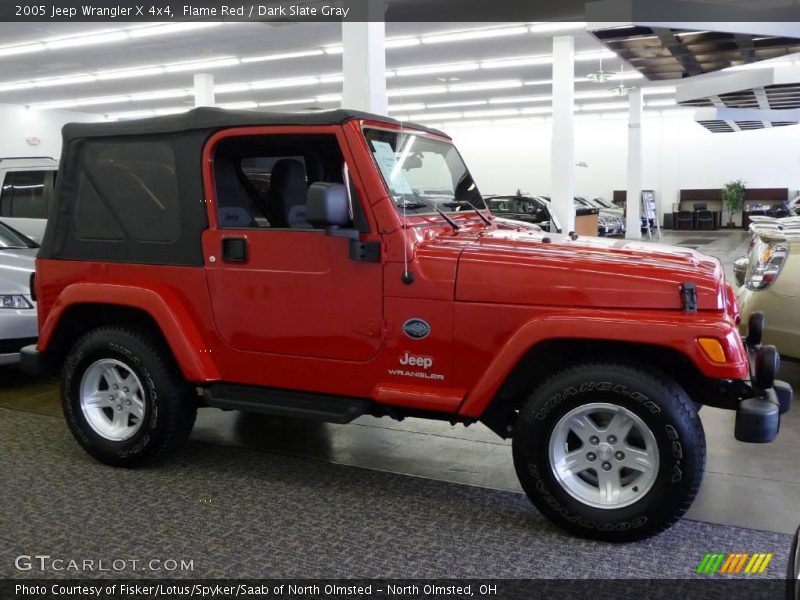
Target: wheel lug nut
111	398
128	403
119	406
125	389
606	466
612	439
591	456
619	455
116	387
594	440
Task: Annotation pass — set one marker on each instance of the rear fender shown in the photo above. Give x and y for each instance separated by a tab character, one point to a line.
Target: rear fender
187	345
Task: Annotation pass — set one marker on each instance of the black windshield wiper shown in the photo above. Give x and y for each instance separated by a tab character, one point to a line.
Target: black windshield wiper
423	204
460	203
412	205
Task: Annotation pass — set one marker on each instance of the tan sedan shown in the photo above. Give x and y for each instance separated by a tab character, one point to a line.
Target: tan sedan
771	283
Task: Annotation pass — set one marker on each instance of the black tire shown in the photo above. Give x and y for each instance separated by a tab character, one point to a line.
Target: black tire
169	405
665	410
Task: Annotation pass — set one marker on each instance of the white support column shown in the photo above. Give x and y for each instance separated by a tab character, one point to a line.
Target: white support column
203	89
562	150
364	66
633	223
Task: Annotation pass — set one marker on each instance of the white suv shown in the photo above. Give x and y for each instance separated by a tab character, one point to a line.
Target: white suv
26	193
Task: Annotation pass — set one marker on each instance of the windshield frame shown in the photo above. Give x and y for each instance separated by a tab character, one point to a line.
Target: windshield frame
431	206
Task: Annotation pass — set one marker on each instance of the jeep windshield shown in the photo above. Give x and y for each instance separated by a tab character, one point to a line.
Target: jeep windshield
423	175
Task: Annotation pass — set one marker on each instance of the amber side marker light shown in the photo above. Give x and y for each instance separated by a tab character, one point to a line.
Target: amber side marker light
713	349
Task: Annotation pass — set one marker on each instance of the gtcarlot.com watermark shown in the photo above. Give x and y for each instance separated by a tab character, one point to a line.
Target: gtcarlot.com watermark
47	563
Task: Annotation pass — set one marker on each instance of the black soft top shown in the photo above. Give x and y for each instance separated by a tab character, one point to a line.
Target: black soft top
218	118
132	191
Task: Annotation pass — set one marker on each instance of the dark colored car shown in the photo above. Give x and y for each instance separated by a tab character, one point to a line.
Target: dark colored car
530	209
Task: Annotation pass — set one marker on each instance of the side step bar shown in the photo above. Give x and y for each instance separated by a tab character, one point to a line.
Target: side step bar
285	403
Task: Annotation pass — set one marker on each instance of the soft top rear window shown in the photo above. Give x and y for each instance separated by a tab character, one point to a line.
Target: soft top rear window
131	189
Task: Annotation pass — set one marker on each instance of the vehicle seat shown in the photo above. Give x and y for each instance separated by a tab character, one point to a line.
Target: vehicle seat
233	203
287	194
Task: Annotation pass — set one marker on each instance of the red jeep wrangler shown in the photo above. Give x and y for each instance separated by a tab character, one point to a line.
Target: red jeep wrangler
338	264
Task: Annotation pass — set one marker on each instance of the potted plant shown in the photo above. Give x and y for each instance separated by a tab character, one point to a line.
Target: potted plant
733	198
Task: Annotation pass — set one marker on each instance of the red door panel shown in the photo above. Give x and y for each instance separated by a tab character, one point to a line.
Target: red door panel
298	294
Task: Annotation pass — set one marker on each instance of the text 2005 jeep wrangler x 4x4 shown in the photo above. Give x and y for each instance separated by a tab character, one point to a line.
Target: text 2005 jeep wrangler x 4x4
338	264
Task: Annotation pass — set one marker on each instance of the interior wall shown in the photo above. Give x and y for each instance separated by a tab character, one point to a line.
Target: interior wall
19	123
677	154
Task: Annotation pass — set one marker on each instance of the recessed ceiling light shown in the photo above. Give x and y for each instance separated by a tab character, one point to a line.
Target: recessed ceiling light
281	56
519	61
433	69
160	95
22	49
86	40
411	106
238	105
287	102
484	85
520	99
417	91
402	42
200	65
456	104
268	84
151	30
553	27
473	34
429	116
129	73
40	83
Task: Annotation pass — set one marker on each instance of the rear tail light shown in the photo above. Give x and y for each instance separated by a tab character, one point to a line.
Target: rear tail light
766	261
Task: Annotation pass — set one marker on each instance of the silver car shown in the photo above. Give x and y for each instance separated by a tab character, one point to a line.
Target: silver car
18	325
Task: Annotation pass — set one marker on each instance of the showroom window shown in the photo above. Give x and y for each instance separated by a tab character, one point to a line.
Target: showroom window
262	181
130	187
26	194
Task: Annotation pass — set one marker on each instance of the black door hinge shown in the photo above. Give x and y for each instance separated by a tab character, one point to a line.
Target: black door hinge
365	251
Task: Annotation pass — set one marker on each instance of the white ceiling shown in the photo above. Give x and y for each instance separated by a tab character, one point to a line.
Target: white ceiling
243	40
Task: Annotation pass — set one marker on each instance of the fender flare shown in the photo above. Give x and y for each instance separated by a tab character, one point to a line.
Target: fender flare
654	330
176	324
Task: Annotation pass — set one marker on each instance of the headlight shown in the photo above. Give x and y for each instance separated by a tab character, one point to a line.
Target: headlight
766	261
14	301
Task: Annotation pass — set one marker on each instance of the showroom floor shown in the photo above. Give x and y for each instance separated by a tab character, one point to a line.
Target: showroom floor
748	486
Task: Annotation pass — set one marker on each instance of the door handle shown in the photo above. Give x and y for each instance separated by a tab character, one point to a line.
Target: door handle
234	249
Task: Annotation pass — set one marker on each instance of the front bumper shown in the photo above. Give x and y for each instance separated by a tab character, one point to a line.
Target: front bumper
763	399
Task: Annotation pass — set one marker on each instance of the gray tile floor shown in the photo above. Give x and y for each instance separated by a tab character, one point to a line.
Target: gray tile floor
756	486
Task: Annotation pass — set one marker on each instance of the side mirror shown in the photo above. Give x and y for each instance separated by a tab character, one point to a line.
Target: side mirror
328	206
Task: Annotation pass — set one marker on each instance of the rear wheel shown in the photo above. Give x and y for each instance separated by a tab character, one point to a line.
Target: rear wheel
609	451
124	399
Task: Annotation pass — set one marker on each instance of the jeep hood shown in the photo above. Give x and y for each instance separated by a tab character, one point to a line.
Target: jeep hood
507	266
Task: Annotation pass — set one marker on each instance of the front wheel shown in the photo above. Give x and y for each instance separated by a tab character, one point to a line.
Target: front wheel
609	451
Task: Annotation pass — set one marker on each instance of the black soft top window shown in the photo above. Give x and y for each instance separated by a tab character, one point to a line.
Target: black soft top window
128	190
